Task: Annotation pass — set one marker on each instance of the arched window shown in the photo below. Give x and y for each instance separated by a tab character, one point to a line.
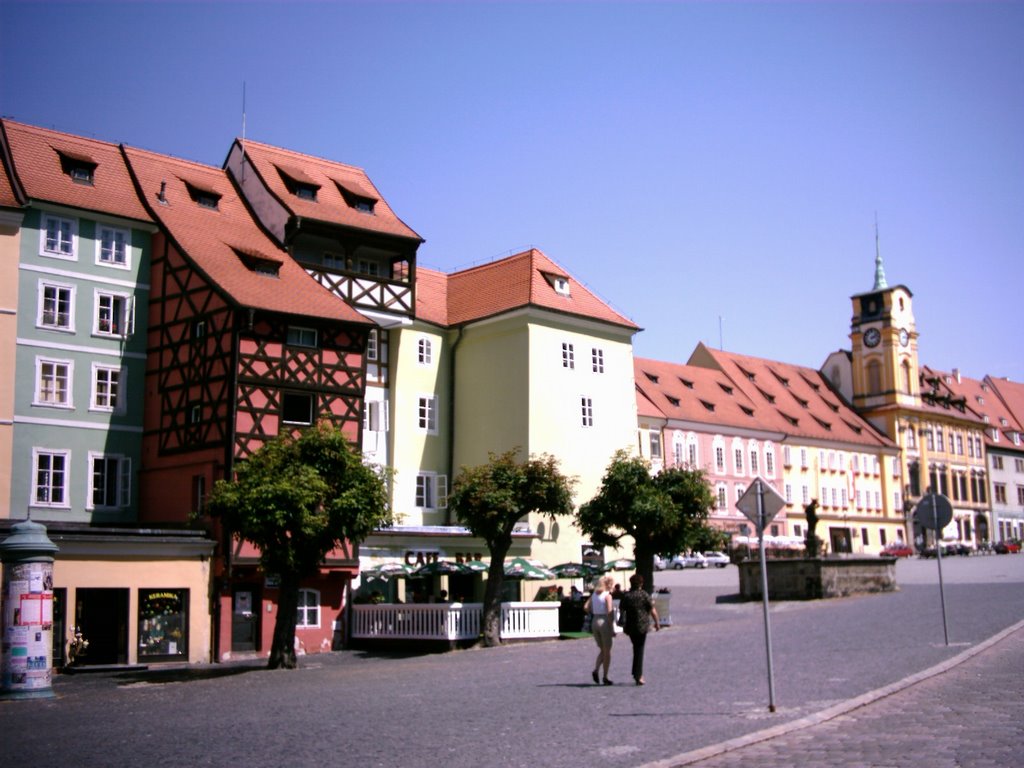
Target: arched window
692	452
907	381
874	371
719	449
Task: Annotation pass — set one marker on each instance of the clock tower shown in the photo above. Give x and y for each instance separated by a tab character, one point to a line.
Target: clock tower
884	349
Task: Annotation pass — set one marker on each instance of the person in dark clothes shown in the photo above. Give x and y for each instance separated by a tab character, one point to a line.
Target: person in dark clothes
637	615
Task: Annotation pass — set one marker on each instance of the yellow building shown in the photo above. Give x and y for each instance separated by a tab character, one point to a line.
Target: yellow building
939	435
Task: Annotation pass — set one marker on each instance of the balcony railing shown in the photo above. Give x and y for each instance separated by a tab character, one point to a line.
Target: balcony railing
367	291
451	621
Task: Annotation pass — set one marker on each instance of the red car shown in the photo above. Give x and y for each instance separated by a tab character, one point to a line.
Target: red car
898	549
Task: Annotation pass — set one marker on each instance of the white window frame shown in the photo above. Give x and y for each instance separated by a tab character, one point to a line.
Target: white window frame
65	473
586	411
655	442
426	414
769	459
597	360
738	459
755	458
721	496
424	351
69	380
58	288
117	260
693	450
127	319
308	605
431	491
568	355
119	389
718	448
123	468
375	415
70	237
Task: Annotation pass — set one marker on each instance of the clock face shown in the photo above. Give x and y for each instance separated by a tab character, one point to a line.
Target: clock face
872	337
904	337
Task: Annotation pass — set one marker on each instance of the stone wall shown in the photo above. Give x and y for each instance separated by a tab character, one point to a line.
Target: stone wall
816	578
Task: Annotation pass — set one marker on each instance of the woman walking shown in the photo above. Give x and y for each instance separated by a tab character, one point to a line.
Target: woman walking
637	615
602	613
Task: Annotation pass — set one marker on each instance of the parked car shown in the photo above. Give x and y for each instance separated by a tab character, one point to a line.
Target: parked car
691	560
898	549
717	559
1005	547
659	563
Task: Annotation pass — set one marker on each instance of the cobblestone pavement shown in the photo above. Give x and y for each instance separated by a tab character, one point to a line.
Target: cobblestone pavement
966	713
533	705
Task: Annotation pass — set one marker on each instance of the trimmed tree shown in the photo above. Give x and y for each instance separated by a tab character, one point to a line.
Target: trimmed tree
663	514
296	499
491	498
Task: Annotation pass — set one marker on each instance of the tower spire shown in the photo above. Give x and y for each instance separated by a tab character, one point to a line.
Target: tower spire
880	283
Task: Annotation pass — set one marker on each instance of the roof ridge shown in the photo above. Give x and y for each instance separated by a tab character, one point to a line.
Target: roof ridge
297	153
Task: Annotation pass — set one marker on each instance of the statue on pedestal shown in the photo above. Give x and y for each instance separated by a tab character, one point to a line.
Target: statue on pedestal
813	544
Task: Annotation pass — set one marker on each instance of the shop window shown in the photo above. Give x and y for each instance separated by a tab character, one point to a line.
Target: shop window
163	624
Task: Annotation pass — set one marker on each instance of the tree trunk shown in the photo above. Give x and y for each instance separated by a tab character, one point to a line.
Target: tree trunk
644	557
492	597
282	649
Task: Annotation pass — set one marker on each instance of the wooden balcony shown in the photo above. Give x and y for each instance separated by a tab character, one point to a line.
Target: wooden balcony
368	291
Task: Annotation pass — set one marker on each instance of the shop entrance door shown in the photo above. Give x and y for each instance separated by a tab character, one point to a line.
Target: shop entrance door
245	601
841	541
102	616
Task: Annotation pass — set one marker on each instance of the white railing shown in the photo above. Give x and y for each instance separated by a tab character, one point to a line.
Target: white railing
451	621
523	620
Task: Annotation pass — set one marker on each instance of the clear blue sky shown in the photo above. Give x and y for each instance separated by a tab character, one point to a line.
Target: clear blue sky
701	166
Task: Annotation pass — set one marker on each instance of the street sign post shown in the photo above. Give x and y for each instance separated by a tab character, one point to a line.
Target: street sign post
761	503
935	511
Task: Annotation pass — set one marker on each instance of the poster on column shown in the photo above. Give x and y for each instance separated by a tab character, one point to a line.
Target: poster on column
28	623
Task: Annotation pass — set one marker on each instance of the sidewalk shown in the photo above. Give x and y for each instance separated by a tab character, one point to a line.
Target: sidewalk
968	711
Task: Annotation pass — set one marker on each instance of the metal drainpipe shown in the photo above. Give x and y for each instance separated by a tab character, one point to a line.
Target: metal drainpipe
451	422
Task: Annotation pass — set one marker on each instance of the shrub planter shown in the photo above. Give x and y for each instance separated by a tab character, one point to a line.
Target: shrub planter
816	578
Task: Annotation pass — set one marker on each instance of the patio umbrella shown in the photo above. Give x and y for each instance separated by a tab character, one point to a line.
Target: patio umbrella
574	571
524	568
622	564
441	568
387	570
477	566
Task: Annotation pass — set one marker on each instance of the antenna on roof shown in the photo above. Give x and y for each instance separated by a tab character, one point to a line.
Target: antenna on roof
243	132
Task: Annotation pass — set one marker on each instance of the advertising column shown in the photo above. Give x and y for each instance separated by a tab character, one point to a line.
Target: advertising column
26	605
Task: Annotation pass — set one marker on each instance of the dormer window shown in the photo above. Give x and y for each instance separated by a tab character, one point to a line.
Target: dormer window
725	388
80	168
203	197
356	197
707	405
261	264
298	183
685	383
651	377
562	286
672	400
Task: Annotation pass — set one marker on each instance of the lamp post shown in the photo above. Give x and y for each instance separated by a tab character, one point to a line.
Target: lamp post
26	605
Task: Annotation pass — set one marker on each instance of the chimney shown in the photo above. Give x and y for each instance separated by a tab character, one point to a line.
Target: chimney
162	197
956	375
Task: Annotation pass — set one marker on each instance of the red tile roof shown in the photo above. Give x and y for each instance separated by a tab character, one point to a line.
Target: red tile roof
1011	397
787	398
327	176
522	280
942	395
7	197
37	154
431	296
219	242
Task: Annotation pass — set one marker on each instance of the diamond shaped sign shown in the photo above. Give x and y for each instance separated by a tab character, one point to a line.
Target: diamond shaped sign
771	503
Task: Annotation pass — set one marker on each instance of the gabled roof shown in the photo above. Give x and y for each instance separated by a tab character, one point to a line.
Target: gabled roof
278	168
792	399
526	279
1011	396
943	395
694	394
986	402
42	159
225	243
